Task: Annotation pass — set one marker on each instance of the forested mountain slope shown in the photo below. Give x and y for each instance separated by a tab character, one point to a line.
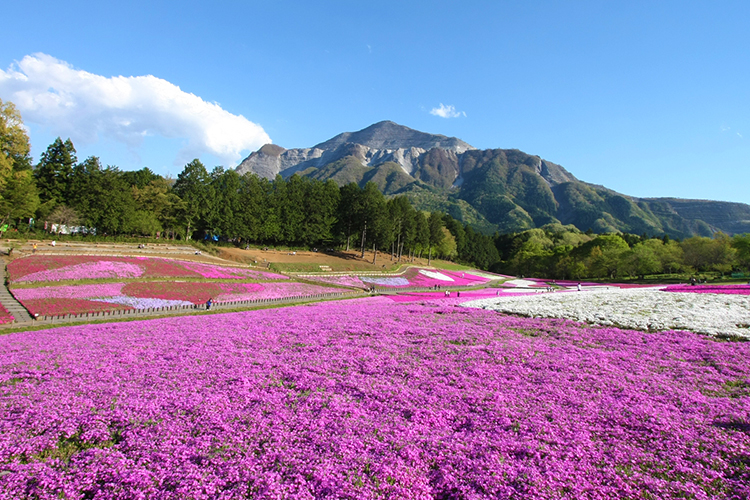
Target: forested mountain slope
494	190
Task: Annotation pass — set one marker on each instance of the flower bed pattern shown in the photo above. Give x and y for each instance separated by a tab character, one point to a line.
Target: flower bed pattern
349	400
36	268
81	299
723	289
427	278
352	281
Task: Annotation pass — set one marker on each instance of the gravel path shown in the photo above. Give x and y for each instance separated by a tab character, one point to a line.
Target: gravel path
641	309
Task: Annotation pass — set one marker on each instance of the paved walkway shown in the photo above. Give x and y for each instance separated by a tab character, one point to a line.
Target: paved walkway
11	305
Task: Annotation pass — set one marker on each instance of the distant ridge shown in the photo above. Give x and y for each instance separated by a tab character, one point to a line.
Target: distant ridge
502	190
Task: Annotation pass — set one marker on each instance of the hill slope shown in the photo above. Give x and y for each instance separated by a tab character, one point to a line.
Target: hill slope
495	190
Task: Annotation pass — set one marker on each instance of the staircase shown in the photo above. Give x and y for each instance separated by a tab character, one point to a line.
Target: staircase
20	313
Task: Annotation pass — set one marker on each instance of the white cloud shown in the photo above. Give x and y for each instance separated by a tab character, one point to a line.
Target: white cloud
447	111
83	106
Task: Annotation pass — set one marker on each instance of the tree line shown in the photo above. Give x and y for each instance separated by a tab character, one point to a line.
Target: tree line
564	252
217	205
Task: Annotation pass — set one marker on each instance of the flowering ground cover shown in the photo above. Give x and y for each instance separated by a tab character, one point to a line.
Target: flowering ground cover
5	316
428	278
38	268
723	289
64	306
371	399
525	283
454	297
81	299
352	281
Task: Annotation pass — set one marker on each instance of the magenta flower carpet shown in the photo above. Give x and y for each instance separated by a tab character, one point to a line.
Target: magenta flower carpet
723	289
370	399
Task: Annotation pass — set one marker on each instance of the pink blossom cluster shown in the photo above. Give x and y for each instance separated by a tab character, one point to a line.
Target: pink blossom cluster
257	291
35	268
5	316
102	269
723	289
223	272
371	399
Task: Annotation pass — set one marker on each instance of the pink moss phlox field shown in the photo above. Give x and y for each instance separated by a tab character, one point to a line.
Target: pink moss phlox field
62	306
451	299
103	269
5	316
56	268
246	291
428	278
723	289
223	272
371	399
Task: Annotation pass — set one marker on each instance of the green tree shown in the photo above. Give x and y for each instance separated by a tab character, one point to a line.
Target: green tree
741	245
703	254
447	248
193	188
18	192
643	258
346	223
370	212
54	170
104	199
435	228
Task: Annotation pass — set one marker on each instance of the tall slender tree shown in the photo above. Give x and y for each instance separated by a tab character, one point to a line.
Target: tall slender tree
54	170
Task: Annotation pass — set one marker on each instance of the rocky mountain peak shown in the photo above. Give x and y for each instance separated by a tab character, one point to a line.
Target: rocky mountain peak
391	136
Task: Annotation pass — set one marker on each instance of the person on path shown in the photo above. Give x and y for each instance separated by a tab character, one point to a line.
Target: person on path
33	248
579	287
209	302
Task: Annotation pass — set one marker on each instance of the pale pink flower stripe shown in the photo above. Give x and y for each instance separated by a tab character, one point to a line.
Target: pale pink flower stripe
273	291
102	269
68	291
221	272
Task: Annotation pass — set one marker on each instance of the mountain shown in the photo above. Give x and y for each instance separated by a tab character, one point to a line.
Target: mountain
494	189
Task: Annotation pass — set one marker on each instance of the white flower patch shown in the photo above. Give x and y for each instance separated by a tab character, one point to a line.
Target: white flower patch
520	282
640	309
143	303
435	275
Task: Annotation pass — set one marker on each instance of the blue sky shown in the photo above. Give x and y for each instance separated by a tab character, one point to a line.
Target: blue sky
647	98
